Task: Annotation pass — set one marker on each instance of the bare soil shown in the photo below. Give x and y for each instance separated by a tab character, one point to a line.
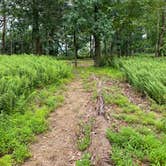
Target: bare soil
58	147
100	146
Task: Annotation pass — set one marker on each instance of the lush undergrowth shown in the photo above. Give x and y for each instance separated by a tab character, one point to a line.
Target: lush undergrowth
19	75
35	85
18	130
137	136
84	141
129	147
142	142
147	74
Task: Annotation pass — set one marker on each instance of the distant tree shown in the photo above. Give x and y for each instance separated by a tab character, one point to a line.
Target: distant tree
102	27
161	28
3	23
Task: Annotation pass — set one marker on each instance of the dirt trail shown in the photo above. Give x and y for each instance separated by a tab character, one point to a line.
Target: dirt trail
58	146
100	146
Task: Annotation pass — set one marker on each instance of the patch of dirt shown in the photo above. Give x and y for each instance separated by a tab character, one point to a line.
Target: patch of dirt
132	94
135	97
58	146
100	147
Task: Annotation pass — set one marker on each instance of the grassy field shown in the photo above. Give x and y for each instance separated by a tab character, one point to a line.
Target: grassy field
19	75
30	88
147	74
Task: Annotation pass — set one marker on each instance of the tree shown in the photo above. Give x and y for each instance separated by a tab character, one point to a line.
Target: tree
3	23
102	27
161	29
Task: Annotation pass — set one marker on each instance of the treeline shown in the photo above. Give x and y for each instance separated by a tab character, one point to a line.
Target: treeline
83	27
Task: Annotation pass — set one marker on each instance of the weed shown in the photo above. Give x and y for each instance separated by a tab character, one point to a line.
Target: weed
6	161
84	139
85	161
134	145
18	130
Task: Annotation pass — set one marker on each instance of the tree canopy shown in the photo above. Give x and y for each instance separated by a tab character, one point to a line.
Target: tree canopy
83	28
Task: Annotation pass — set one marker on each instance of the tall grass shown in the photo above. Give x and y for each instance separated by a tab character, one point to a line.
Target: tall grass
30	88
147	74
19	75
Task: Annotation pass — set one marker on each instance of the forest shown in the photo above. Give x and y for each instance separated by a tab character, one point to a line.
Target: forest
87	28
83	82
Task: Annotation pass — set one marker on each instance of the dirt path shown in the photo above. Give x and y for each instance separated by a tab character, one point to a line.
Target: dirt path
100	146
58	146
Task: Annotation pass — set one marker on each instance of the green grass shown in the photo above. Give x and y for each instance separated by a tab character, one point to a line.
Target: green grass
146	74
20	75
144	141
37	85
104	71
84	139
89	76
85	161
6	161
19	129
131	113
130	147
114	96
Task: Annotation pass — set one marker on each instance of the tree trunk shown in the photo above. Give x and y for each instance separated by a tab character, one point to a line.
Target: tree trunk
111	46
161	32
97	56
36	31
11	46
158	36
75	48
118	44
22	46
91	46
4	35
105	47
37	45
